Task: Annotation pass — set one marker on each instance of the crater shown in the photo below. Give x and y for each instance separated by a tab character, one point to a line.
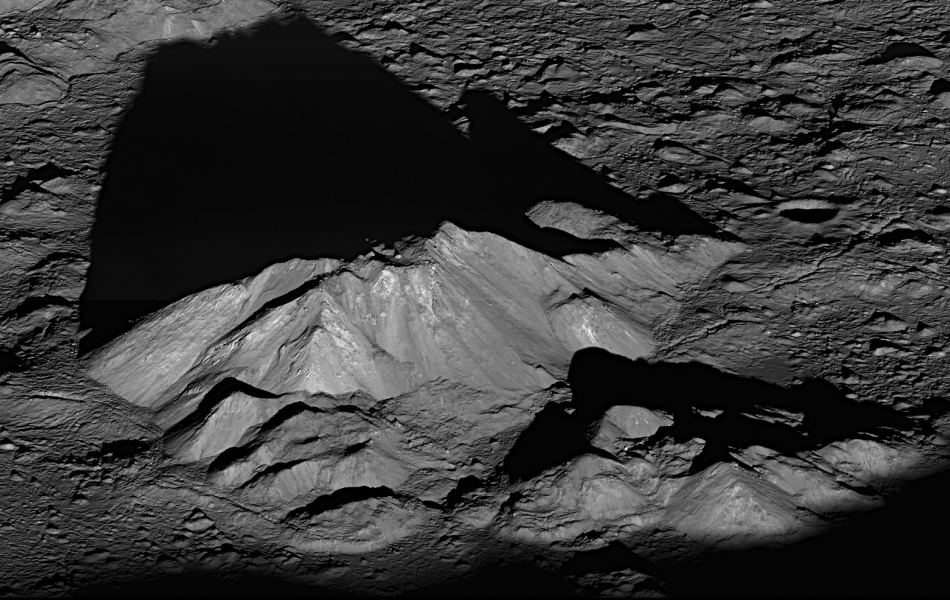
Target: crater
810	212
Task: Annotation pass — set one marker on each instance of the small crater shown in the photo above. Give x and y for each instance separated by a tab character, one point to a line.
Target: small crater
809	215
123	448
885	322
897	236
808	211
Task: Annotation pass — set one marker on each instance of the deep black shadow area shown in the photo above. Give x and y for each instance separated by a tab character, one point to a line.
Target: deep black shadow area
939	86
515	580
9	361
599	380
612	557
208	586
278	143
902	50
889	552
340	498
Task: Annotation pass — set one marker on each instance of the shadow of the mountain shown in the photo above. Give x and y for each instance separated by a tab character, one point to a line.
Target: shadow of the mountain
599	380
529	168
278	143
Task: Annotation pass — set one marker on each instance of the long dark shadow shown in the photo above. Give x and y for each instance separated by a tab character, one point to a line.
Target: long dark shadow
528	168
278	143
208	586
599	380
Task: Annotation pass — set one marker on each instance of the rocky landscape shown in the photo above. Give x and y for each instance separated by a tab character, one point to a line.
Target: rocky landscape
537	298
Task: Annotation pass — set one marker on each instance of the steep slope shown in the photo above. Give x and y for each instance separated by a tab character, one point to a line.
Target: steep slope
467	307
376	386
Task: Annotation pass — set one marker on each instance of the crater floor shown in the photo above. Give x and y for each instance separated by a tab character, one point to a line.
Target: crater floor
544	298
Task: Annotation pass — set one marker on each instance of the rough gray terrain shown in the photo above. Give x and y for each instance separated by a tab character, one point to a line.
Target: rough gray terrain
458	412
